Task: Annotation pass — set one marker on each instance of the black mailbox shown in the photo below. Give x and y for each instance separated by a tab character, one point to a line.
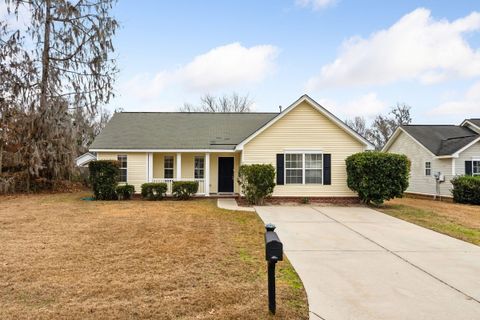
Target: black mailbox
273	247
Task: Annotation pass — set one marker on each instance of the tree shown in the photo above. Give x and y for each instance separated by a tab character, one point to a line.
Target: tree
209	103
64	58
358	124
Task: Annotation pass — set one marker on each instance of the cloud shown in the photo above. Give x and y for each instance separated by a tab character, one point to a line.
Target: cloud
367	105
221	67
466	107
316	4
417	47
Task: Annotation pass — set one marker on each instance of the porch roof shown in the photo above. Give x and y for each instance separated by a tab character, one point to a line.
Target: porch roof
179	130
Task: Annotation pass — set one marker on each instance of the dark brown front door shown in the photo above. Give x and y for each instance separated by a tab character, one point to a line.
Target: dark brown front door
225	174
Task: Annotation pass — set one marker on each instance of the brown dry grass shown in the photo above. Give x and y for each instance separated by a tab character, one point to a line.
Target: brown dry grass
457	220
61	257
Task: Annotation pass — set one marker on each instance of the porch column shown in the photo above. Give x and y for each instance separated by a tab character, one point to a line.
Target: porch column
207	174
150	167
179	166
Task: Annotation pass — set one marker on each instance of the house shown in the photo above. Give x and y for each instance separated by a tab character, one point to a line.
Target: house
438	153
306	143
83	160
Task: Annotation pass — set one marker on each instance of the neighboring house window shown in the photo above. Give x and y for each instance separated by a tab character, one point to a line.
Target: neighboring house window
428	168
168	167
123	167
303	168
199	171
476	167
313	168
293	168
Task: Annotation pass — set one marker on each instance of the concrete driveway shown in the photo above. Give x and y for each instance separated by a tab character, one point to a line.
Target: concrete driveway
357	263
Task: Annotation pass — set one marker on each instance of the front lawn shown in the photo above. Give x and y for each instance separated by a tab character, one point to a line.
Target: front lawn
456	220
61	257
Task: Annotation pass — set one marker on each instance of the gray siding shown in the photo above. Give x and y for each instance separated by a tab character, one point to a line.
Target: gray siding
471	153
419	182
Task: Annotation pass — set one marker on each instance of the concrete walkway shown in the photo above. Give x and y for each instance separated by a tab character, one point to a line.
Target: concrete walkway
357	263
231	204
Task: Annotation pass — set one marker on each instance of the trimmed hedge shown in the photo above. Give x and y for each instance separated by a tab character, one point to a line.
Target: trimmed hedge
466	189
378	176
104	175
257	182
184	190
125	192
154	191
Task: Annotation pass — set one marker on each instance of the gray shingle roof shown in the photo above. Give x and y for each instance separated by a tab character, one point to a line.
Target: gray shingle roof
475	121
178	130
441	140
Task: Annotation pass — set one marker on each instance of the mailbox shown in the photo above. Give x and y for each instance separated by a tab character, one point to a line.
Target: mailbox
273	254
273	247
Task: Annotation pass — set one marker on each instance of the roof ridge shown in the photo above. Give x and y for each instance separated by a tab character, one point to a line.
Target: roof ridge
199	112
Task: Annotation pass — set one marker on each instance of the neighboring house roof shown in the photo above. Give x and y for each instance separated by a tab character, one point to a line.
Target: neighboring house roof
440	140
85	159
195	130
178	130
473	123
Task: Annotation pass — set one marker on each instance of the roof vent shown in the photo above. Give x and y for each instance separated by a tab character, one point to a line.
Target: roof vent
280	108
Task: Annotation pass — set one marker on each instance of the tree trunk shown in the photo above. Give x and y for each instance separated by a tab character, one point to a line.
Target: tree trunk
45	57
1	158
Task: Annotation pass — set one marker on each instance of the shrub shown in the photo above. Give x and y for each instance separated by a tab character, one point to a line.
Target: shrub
104	176
184	190
257	182
154	191
125	192
377	176
466	189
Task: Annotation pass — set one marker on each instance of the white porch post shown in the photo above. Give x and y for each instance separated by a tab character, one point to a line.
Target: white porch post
150	167
207	174
179	166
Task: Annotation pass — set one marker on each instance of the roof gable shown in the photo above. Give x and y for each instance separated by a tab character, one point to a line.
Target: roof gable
319	108
439	140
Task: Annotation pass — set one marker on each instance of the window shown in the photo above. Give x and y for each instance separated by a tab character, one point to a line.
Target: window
313	168
428	168
293	168
168	167
476	167
123	167
199	171
303	168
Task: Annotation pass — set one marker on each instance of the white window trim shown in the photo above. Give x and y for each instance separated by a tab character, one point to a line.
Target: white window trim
303	153
425	168
126	169
194	168
173	166
473	173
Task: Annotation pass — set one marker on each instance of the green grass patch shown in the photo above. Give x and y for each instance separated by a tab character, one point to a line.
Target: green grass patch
431	220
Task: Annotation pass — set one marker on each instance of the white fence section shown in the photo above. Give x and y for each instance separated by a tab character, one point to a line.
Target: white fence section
169	182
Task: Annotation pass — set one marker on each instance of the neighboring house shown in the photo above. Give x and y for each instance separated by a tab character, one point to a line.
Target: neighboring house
307	144
85	159
446	149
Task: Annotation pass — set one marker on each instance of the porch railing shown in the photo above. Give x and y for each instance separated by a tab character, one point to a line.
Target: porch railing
169	182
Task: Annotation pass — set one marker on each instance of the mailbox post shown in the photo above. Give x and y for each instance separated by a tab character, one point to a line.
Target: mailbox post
273	254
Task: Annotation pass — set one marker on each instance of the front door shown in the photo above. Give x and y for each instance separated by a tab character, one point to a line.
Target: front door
225	174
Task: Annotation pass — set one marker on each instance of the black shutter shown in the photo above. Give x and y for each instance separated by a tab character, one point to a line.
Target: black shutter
468	168
327	170
280	168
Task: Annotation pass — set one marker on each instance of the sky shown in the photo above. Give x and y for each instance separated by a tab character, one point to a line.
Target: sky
356	58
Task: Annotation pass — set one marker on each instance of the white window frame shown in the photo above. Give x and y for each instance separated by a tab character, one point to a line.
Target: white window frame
172	168
305	168
123	168
303	153
195	168
478	166
428	168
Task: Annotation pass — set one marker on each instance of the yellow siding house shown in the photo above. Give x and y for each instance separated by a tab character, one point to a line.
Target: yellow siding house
305	143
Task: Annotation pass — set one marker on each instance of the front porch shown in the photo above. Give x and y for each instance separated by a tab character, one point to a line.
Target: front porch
216	173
